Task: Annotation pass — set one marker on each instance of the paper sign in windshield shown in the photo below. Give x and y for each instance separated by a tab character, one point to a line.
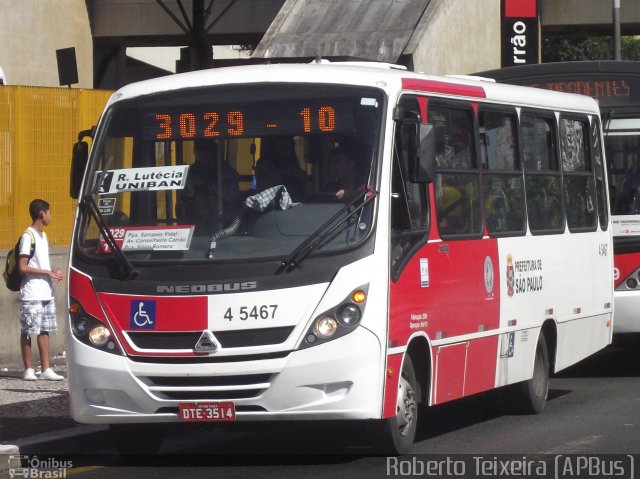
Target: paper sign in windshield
158	238
143	179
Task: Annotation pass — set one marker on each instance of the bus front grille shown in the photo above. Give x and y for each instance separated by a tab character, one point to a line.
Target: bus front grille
210	388
169	341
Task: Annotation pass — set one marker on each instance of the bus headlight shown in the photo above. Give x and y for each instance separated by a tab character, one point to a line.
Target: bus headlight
99	336
90	330
337	321
324	327
349	314
81	326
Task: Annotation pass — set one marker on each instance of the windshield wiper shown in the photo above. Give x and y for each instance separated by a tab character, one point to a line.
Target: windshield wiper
126	268
315	239
100	178
607	120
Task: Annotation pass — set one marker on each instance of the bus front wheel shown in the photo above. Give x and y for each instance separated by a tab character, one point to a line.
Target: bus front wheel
398	433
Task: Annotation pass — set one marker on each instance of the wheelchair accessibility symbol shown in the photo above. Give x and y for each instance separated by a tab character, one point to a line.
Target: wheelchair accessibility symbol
142	314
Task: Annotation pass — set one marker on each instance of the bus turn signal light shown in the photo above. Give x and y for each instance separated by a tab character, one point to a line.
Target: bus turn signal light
359	296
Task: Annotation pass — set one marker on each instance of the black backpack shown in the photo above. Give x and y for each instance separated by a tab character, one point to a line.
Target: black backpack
11	275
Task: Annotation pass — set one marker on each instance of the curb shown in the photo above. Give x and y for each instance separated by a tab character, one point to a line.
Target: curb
52	442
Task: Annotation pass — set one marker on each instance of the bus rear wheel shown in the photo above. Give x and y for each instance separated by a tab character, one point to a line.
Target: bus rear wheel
398	433
530	397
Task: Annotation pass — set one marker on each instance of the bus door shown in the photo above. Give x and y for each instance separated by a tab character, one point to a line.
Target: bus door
444	288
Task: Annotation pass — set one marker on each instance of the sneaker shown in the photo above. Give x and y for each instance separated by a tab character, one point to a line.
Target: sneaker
29	375
49	375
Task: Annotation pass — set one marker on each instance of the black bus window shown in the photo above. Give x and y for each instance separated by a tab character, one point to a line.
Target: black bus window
578	175
503	181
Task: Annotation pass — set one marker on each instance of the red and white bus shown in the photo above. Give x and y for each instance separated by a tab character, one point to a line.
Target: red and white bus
616	86
427	238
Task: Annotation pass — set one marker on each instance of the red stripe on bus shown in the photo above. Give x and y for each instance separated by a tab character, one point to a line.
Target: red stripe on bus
443	87
520	9
626	264
81	289
183	313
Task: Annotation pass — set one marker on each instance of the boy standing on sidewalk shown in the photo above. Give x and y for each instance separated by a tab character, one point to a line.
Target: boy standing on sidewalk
37	304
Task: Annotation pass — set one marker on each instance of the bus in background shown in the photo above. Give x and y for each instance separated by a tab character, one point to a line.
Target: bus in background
616	86
407	240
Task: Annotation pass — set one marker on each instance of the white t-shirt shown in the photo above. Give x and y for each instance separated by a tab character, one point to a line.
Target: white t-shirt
36	286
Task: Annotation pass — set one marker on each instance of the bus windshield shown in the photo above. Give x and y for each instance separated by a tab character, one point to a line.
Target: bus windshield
622	144
228	174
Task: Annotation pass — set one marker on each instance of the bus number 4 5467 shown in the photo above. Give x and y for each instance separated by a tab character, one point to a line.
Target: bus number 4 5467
256	312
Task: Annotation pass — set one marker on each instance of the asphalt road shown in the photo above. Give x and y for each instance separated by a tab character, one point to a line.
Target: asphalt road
593	409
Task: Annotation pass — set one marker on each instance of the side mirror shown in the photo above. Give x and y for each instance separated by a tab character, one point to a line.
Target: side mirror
78	165
79	159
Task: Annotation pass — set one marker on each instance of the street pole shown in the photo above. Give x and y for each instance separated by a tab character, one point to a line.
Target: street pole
616	30
201	54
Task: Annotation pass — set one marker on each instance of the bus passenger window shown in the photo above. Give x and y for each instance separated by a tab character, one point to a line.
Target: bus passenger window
503	183
457	180
598	163
543	185
578	175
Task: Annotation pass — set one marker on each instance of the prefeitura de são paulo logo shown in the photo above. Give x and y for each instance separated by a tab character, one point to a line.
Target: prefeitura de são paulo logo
510	276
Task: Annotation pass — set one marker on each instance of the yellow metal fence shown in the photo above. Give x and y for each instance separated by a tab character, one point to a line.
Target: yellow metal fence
38	127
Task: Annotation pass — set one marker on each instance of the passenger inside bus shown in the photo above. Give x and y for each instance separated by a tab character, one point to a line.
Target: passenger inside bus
278	165
199	202
347	171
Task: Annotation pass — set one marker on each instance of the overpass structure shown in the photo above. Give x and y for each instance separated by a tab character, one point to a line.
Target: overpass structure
375	29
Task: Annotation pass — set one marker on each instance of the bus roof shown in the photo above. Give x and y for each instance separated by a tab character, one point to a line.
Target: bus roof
390	78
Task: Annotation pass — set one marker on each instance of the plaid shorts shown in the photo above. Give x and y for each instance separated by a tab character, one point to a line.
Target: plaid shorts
38	316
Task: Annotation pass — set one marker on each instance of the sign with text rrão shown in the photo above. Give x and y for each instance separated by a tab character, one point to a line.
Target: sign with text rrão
520	32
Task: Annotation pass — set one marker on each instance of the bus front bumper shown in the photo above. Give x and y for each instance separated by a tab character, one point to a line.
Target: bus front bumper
340	379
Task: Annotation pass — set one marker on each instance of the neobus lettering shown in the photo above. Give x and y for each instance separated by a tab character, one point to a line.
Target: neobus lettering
206	288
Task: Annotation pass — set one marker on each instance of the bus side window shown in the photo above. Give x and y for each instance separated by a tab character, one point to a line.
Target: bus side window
543	180
577	175
409	206
503	182
457	179
599	168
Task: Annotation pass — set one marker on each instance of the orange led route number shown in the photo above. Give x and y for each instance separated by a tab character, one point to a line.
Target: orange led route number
213	125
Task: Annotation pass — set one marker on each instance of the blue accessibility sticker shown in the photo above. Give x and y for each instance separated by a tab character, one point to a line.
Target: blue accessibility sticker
142	314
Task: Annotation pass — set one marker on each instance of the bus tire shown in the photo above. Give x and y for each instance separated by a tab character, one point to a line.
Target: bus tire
398	433
530	397
137	438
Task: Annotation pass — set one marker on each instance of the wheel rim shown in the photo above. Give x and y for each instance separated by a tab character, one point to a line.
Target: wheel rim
406	407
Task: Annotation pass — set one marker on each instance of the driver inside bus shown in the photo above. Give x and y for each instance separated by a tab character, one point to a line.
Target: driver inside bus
199	201
348	172
278	165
